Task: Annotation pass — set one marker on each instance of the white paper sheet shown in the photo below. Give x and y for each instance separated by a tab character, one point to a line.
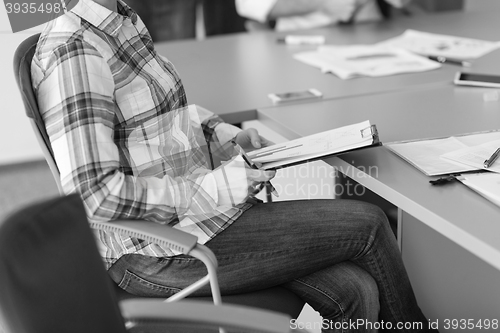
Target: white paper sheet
425	155
441	45
476	155
316	145
365	60
487	184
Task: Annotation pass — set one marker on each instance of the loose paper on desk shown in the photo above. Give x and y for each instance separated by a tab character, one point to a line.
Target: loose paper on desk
365	60
486	183
476	155
430	44
321	144
427	154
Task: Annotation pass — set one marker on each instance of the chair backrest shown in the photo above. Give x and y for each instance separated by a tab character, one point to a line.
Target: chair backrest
52	278
276	298
22	71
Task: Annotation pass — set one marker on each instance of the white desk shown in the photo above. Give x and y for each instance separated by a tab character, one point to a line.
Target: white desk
233	74
449	234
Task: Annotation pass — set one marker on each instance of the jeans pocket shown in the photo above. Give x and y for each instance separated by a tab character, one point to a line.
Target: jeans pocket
136	285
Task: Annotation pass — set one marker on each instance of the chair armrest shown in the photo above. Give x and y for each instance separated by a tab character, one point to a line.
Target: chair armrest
175	239
142	311
160	234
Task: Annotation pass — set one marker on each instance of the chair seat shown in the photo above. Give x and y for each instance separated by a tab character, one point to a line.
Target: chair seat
278	299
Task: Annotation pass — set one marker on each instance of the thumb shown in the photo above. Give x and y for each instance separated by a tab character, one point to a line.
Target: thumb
254	137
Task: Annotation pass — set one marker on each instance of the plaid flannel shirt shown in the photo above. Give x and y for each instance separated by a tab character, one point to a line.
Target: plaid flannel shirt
122	133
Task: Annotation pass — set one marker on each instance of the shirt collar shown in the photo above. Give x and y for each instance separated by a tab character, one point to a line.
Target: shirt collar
102	18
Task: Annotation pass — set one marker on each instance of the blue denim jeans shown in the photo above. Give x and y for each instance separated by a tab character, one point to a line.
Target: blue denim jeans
340	256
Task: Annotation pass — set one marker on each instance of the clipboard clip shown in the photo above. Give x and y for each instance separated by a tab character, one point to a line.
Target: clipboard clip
370	131
444	180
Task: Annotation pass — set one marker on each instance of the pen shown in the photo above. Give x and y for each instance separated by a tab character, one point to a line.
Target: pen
445	60
492	158
254	166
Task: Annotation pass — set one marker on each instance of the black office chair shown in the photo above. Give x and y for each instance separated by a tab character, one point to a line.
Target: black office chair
52	279
275	299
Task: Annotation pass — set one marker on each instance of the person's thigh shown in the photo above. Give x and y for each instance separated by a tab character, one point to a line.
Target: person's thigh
270	244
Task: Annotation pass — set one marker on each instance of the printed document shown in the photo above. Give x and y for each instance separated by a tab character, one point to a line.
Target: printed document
476	155
437	156
486	183
430	44
365	60
425	155
317	145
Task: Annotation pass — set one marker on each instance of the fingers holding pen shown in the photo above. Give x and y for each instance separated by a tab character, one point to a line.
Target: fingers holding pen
259	176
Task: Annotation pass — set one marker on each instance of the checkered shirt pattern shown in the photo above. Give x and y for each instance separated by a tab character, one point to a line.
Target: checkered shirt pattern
122	132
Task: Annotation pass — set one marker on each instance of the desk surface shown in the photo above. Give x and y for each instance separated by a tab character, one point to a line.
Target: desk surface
435	110
453	210
234	73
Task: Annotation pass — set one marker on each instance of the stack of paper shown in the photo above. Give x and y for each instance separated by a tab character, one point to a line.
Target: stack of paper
441	45
365	60
403	54
426	155
486	184
451	154
476	155
457	155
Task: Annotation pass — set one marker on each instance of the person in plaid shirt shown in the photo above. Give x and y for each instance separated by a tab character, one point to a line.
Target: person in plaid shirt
125	139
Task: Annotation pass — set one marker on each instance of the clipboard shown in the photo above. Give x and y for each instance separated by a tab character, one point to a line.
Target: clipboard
317	146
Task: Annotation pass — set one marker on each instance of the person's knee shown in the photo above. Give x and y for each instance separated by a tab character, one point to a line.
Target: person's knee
361	301
341	292
372	216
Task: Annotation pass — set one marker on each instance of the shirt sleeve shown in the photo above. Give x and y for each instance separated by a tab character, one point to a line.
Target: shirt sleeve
76	99
230	175
257	10
213	126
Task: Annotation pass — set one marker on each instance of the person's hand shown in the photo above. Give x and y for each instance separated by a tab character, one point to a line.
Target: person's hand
250	139
398	3
236	181
256	179
340	9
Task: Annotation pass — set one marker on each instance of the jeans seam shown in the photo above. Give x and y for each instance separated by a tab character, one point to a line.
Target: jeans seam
128	276
287	251
381	273
327	295
387	289
173	259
